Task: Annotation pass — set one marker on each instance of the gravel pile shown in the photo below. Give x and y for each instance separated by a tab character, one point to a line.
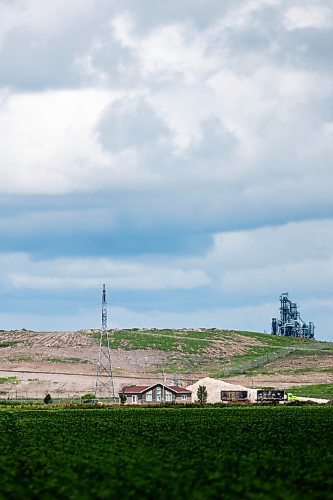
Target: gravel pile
215	386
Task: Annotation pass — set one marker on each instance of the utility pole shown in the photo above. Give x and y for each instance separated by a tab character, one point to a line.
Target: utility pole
104	377
163	392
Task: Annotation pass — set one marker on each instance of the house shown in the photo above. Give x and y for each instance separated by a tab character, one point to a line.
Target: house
156	393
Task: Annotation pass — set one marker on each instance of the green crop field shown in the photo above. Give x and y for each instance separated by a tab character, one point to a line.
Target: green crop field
195	453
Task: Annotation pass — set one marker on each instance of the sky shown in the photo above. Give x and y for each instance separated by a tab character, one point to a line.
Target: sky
179	152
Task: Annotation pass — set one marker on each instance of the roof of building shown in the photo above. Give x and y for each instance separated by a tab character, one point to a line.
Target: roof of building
134	389
139	389
178	389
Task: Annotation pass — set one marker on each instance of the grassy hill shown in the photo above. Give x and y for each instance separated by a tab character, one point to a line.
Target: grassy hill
216	352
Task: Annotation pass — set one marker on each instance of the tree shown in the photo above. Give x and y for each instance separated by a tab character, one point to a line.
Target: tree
123	398
90	395
47	399
202	394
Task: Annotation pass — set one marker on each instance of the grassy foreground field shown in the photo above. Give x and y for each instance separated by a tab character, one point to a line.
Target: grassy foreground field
313	391
198	453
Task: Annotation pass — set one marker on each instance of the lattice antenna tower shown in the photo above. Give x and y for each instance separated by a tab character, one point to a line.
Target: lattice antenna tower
104	377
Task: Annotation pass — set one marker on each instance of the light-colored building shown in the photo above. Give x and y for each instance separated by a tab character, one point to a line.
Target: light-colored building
156	393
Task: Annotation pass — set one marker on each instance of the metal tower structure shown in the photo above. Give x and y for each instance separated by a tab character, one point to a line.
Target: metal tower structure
290	323
104	377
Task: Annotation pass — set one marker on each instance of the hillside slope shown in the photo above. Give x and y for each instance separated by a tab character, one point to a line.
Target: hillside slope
64	362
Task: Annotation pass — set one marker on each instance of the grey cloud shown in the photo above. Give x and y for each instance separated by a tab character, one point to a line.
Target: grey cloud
282	185
150	14
33	59
117	62
265	40
216	144
29	62
130	123
12	3
134	124
308	48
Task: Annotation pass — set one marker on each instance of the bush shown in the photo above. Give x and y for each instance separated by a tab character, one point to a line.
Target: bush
90	395
47	399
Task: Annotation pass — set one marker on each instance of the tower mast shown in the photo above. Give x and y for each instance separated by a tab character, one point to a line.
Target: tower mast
104	377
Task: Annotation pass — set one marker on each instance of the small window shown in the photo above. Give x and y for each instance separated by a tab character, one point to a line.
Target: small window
149	396
134	398
184	396
168	396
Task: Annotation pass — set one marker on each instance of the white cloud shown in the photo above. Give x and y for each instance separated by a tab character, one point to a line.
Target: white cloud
305	278
243	318
246	101
168	51
47	141
42	321
71	274
309	16
46	19
268	246
171	51
251	265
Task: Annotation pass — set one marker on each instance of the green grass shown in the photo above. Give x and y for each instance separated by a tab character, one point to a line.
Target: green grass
9	380
192	341
7	343
311	352
276	340
207	350
254	352
324	391
129	340
167	453
65	360
16	359
219	334
265	370
304	371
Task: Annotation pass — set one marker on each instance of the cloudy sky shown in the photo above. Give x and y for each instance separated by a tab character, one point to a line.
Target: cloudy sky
180	152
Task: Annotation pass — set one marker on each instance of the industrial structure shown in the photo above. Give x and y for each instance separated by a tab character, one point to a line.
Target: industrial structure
104	377
290	323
